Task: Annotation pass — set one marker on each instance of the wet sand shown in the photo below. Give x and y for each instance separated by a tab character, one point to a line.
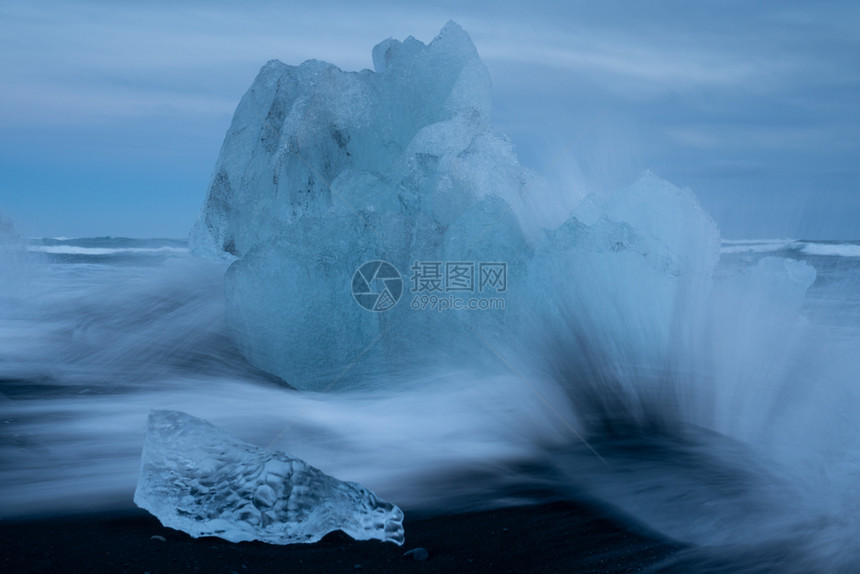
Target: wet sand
556	537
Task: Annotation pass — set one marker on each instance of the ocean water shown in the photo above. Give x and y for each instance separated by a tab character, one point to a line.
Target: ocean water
96	332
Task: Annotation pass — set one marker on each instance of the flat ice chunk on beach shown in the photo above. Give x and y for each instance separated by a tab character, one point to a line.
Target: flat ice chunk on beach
199	479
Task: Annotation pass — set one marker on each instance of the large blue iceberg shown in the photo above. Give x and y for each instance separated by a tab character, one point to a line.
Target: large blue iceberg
375	222
323	171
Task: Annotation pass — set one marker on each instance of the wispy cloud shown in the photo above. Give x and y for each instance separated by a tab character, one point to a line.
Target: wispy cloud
679	86
82	60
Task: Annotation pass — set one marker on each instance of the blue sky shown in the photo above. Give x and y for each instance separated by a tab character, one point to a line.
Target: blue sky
112	113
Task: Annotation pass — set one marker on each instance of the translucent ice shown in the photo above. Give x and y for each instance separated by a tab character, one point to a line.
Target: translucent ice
632	268
324	170
199	479
623	284
310	140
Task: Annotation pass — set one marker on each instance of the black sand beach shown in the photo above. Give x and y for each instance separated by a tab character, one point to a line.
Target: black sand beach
556	537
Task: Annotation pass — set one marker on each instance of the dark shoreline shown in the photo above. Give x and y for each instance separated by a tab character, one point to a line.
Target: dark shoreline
555	537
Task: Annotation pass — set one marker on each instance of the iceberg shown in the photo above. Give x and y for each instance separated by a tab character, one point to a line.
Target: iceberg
323	170
312	141
201	480
324	173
